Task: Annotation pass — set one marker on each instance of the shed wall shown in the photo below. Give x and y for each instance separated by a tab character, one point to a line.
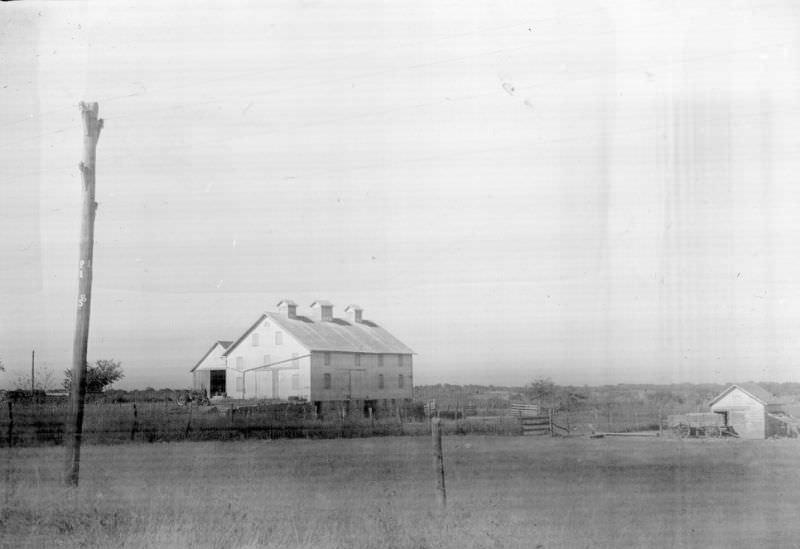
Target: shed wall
201	377
745	414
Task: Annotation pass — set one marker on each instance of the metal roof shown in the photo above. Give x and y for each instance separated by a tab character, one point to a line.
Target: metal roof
333	335
753	389
340	335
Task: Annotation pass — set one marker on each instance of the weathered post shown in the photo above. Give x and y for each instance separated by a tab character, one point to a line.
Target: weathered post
438	461
33	385
135	426
10	424
91	126
188	423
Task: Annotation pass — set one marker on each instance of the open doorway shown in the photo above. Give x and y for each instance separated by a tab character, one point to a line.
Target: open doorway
216	383
370	407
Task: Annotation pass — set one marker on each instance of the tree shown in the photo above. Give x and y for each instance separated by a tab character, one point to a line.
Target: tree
44	381
664	400
546	393
542	391
99	376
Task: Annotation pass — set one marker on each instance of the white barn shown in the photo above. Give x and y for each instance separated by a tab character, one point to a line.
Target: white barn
748	408
319	358
209	374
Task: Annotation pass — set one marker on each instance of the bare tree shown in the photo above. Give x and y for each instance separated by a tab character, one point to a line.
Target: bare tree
45	381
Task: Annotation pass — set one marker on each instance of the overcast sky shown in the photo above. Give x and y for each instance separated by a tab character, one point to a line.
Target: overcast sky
596	192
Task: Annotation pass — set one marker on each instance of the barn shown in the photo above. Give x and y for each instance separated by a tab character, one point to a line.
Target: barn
319	358
751	410
209	374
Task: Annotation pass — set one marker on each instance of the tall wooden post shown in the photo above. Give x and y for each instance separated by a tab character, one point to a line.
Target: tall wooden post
438	461
33	386
91	133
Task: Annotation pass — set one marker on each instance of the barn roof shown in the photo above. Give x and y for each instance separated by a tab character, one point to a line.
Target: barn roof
224	344
753	389
333	335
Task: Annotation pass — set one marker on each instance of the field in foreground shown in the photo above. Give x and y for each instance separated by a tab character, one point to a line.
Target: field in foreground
502	492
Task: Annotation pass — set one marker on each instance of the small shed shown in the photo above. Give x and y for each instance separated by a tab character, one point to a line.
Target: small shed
748	408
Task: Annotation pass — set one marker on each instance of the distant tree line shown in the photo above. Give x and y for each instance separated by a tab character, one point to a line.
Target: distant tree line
666	398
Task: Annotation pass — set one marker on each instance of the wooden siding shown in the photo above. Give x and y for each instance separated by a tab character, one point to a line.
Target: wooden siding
351	377
202	374
214	360
745	414
360	382
258	384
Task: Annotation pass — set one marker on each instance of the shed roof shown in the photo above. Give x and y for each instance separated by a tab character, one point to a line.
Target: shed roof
753	389
333	335
224	344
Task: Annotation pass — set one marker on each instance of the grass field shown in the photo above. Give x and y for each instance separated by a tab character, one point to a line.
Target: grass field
377	492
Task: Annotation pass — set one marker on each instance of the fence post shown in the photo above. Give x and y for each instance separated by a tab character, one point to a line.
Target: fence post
438	461
10	424
135	426
189	422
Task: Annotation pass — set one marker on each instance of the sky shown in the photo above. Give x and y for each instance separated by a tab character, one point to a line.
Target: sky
594	192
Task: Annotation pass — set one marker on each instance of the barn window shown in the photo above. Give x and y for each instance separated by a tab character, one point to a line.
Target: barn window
255	340
400	381
358	360
327	359
326	380
380	360
266	360
239	363
380	381
295	381
278	338
239	383
400	360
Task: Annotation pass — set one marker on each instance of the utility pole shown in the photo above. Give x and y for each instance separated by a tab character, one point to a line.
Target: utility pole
33	354
91	133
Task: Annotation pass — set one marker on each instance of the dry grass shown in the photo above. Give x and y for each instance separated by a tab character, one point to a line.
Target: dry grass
108	423
503	492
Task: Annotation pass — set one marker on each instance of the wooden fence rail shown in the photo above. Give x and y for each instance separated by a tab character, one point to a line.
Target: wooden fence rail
536	425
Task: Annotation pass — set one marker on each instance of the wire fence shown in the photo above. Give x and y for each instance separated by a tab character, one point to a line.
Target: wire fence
44	423
31	424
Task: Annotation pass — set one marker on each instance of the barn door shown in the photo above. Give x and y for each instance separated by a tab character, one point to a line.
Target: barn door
263	384
216	384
